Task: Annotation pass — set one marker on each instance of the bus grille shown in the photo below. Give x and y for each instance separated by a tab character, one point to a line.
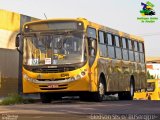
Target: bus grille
53	70
57	79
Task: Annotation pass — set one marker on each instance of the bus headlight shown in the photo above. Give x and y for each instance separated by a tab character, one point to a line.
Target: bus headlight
28	78
72	78
78	77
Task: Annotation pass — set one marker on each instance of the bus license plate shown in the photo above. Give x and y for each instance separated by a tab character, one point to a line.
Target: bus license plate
53	86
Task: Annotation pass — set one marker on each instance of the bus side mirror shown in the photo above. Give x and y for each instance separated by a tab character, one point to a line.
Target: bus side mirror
18	41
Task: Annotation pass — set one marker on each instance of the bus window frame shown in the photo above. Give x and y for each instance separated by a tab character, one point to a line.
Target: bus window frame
136	51
131	50
110	46
125	49
101	53
118	47
141	52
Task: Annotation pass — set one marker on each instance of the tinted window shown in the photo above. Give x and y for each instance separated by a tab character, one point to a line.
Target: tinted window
91	32
103	50
141	47
109	38
142	57
130	45
136	56
118	53
101	37
124	44
135	46
131	55
111	52
117	41
125	54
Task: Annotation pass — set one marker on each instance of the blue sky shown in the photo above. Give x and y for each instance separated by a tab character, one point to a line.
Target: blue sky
118	14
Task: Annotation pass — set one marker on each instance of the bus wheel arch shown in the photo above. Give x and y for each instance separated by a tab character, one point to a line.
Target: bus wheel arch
102	79
128	95
101	89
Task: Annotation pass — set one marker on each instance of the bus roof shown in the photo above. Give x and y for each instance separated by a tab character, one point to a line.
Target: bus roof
117	32
98	26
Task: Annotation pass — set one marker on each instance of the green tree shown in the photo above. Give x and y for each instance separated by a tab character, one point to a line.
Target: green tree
149	76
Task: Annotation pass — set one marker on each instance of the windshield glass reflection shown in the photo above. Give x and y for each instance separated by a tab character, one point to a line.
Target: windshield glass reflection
53	49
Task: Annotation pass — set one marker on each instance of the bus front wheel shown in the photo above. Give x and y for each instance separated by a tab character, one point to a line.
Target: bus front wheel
99	96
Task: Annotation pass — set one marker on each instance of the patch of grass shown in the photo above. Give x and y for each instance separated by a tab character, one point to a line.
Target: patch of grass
15	99
28	100
12	99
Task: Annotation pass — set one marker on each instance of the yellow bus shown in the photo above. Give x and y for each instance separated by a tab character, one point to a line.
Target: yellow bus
78	57
152	93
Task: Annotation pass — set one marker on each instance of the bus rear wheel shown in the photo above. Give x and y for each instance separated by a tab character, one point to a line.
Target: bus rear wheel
45	98
127	95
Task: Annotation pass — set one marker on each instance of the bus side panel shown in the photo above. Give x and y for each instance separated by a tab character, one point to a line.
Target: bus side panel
112	71
143	78
125	83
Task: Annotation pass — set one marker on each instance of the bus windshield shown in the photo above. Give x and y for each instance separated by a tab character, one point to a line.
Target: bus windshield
54	49
150	86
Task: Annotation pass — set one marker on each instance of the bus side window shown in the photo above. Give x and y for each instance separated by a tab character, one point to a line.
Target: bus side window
125	49
118	47
102	44
131	53
141	50
110	44
136	53
91	33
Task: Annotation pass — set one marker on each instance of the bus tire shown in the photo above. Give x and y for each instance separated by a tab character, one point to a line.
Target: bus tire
45	98
99	96
130	94
127	95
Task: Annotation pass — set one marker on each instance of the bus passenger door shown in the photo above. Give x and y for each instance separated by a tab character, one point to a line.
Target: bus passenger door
92	51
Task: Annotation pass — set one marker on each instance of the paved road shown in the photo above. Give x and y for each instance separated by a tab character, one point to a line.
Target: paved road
75	109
